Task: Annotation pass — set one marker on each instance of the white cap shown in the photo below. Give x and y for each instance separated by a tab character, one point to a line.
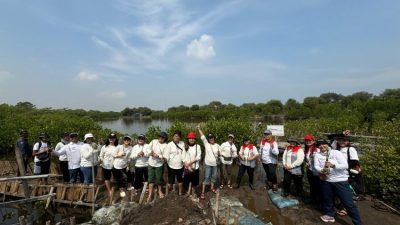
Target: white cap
88	135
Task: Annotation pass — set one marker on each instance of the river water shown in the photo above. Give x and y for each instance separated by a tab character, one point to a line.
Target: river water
137	126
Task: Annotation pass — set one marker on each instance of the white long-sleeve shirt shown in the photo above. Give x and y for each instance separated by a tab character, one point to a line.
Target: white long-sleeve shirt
58	147
141	161
175	155
89	155
121	162
269	152
337	174
158	148
107	154
248	152
310	160
73	152
287	158
212	152
228	150
193	153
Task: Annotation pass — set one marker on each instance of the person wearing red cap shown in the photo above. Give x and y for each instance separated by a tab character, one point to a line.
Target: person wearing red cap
191	161
312	174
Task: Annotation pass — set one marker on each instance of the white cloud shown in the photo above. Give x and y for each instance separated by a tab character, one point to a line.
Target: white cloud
202	48
5	75
87	76
110	94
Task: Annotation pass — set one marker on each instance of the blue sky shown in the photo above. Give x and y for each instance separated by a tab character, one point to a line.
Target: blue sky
107	55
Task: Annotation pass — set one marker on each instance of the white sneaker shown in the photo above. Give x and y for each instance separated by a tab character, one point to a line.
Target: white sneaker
327	219
122	194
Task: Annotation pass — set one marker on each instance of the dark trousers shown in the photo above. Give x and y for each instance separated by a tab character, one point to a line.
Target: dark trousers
141	175
315	192
287	181
226	172
75	175
64	170
242	170
270	171
341	190
119	173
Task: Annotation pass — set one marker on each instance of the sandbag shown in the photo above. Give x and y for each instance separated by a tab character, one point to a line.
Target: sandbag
281	202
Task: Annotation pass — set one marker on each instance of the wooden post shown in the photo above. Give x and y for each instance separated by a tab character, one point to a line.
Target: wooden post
93	183
49	198
20	162
143	192
228	212
217	204
190	188
22	220
236	220
173	188
166	190
72	221
112	195
25	185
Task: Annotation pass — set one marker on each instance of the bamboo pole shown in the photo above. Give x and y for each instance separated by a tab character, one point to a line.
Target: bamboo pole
112	195
236	220
166	190
75	203
72	221
25	200
190	188
217	204
228	212
49	198
29	177
143	192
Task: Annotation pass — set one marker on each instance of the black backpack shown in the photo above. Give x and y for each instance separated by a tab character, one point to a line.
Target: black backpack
45	155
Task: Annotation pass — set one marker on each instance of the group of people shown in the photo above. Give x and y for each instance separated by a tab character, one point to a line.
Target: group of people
328	165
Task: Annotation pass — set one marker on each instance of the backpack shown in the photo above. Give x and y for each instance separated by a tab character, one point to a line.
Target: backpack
45	155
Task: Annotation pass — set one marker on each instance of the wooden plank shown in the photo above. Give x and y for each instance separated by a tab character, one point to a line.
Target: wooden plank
32	199
75	203
49	198
28	177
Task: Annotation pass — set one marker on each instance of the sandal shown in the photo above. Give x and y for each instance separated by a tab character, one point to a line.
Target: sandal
202	196
342	212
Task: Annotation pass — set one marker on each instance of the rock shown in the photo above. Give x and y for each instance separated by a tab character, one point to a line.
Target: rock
110	215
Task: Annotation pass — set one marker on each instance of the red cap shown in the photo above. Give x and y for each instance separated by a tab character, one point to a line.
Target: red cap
309	137
191	135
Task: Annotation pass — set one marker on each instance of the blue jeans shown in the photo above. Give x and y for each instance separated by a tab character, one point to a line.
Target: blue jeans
341	190
75	175
210	174
87	175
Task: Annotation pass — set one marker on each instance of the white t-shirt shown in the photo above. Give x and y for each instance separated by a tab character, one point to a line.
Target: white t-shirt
107	154
212	152
228	150
58	147
42	149
159	149
89	155
122	162
142	161
175	154
269	153
193	153
248	153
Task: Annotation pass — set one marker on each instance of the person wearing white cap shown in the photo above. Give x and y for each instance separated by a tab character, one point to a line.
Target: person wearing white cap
140	153
73	152
228	153
88	159
121	162
269	158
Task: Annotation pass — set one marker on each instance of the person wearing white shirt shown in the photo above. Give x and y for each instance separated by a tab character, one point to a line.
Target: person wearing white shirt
269	158
121	165
88	159
175	155
41	152
228	152
106	158
248	155
156	164
73	152
191	162
332	166
63	160
292	160
140	154
210	161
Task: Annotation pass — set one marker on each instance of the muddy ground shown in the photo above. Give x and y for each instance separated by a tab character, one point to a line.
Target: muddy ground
181	210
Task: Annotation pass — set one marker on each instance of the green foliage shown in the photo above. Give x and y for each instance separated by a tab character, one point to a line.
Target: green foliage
152	133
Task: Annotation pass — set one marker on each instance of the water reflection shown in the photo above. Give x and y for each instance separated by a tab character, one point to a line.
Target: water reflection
138	126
